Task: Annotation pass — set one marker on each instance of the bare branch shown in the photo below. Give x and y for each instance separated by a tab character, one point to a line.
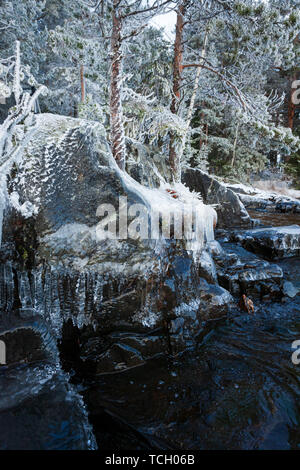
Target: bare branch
146	10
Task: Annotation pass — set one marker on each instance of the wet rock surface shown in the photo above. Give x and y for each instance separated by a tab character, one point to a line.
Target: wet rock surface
39	408
50	417
290	290
229	393
241	273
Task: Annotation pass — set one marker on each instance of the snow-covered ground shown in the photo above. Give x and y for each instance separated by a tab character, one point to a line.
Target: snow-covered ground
254	196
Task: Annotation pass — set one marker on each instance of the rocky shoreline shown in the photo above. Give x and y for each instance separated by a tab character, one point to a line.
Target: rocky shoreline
76	310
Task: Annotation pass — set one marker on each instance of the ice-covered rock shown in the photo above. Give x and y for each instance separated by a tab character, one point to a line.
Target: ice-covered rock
271	243
231	211
39	408
257	278
51	416
241	272
107	299
290	290
67	171
207	268
59	264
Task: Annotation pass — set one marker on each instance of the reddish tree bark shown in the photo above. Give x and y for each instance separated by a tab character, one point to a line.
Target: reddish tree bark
121	11
178	58
177	79
292	105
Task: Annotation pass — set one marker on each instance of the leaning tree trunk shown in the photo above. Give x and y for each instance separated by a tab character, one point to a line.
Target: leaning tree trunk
177	79
116	111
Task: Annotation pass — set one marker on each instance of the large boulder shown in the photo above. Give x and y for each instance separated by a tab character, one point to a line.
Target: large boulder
65	268
74	295
231	211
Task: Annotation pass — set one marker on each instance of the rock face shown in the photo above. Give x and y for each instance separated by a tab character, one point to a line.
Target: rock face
231	211
241	272
146	166
66	173
271	243
108	304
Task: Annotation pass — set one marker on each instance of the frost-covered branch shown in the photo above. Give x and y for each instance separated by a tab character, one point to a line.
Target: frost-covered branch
24	103
224	79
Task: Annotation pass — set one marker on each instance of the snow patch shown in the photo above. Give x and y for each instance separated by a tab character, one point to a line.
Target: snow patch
27	209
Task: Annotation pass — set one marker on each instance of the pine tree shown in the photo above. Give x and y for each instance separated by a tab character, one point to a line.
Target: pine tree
128	19
246	40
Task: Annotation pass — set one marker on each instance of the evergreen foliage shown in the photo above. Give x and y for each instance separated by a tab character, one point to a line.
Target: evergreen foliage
239	100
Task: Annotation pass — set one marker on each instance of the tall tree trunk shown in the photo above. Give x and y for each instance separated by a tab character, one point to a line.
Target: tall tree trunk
116	110
292	105
235	145
82	99
193	98
177	78
201	120
206	135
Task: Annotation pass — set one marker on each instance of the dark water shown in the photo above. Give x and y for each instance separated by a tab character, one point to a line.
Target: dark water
274	219
238	390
